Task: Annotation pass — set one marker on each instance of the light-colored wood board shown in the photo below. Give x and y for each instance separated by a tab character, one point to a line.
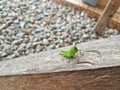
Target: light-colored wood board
116	18
51	61
50	71
118	10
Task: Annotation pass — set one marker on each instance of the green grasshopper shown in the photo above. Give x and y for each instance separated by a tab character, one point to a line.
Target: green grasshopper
71	53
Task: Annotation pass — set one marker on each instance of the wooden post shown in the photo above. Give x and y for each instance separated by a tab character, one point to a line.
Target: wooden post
107	15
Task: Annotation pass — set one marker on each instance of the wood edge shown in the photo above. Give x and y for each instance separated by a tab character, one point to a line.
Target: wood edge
60	72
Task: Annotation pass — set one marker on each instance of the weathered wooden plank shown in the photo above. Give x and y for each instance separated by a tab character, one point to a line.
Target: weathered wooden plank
50	71
118	10
103	2
107	15
99	79
51	61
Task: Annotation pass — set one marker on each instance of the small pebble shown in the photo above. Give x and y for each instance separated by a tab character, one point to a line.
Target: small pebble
16	53
4	54
38	48
45	42
36	43
25	40
85	36
27	52
17	41
20	35
82	14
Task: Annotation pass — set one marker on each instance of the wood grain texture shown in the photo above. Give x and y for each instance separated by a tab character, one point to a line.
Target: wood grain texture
103	2
99	79
50	71
51	61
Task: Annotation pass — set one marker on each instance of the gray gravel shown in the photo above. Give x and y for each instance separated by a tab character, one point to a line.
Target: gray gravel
32	26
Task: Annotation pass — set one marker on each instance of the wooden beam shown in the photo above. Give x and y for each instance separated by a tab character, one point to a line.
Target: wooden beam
99	79
51	61
109	11
50	71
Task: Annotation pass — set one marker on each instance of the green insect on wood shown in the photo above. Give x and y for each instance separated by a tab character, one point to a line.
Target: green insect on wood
71	53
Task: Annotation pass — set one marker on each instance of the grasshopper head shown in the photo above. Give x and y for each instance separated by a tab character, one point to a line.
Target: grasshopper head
75	48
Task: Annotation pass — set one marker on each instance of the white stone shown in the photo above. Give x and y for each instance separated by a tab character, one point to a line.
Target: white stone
45	42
